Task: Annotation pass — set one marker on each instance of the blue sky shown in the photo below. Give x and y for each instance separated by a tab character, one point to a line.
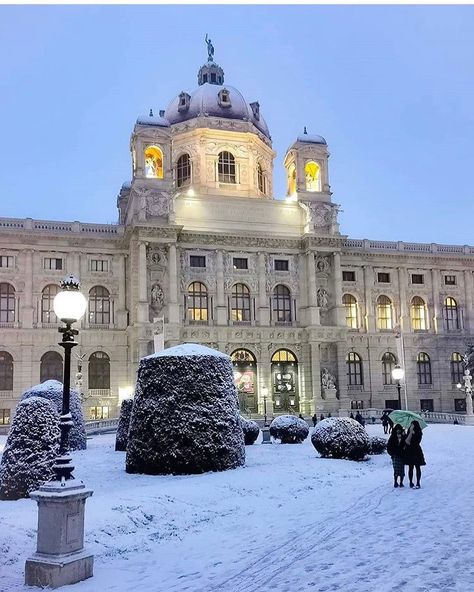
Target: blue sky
391	88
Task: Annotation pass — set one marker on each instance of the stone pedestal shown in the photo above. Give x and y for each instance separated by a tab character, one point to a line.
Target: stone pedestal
331	403
469	420
60	558
266	438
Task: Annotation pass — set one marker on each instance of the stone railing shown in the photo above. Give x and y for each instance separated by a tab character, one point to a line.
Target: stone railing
53	227
374	245
101	425
428	416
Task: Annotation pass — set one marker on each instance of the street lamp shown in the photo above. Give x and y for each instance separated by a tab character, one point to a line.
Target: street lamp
397	374
265	395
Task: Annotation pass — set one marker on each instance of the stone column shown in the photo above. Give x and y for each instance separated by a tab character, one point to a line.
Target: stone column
142	313
340	319
437	310
173	305
221	303
402	294
27	308
318	402
122	313
265	379
342	385
313	317
263	303
469	308
369	305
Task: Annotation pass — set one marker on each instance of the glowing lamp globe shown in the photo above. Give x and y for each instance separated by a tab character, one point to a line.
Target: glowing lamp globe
398	373
70	304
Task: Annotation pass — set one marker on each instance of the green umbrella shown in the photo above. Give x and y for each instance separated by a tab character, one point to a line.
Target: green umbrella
404	418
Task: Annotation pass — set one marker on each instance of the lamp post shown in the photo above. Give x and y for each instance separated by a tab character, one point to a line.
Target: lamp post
265	430
60	558
397	374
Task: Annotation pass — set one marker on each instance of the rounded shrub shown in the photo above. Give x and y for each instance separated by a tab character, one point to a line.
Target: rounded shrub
123	425
340	437
377	445
289	429
250	429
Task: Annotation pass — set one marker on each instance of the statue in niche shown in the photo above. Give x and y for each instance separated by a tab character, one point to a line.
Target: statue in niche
157	297
322	297
328	381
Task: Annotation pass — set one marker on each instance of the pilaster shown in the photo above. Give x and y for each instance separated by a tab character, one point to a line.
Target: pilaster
313	317
369	308
173	306
469	308
221	306
142	312
27	308
263	305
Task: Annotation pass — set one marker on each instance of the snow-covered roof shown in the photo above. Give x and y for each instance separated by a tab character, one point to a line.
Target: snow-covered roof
188	349
152	120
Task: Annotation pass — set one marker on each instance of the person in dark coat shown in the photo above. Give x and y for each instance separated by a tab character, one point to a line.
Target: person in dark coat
351	415
414	457
396	449
360	419
384	420
321	417
301	417
390	425
315	420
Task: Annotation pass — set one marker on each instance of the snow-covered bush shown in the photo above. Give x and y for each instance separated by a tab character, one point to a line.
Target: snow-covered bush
377	445
53	391
250	429
123	425
340	437
31	448
185	414
289	429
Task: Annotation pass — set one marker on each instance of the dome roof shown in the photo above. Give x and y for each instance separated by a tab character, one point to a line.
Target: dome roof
311	139
206	101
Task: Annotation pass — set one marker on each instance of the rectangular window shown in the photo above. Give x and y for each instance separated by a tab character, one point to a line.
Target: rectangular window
4	416
348	276
240	263
460	405
197	261
392	404
96	413
6	261
282	265
357	404
99	265
383	278
417	278
52	263
450	280
426	405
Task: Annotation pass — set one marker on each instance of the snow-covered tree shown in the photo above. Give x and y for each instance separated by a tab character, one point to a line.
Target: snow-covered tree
31	448
53	391
185	414
377	445
123	425
250	429
340	437
289	429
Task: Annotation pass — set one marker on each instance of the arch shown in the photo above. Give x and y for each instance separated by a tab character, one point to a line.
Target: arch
281	304
197	302
244	364
350	305
388	363
99	371
153	162
261	179
183	170
284	355
226	168
418	314
457	368
47	301
284	371
423	365
354	369
99	306
312	173
6	371
451	314
291	180
51	366
240	303
384	313
7	303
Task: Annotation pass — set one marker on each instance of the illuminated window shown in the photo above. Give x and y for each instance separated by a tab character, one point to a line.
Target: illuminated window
153	163
291	180
99	371
283	355
388	363
261	179
96	413
47	309
418	314
451	314
457	368
226	167
350	305
7	303
197	302
245	377
6	371
384	313
240	308
282	304
423	365
99	306
312	173
354	369
4	416
183	170
51	366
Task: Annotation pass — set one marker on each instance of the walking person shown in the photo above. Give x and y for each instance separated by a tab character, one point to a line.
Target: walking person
315	420
396	448
385	422
360	419
414	457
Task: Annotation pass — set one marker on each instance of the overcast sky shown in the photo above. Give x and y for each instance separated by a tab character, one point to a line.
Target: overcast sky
390	88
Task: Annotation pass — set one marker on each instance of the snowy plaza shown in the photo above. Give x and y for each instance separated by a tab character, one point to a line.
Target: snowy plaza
288	521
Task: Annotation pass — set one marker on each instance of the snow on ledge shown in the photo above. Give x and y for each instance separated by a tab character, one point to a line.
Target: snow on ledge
187	349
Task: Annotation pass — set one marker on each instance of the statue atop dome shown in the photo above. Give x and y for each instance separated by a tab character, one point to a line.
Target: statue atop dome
210	49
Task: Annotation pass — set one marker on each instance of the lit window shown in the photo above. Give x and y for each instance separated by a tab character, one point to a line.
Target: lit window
226	167
99	265
354	369
183	170
99	371
312	173
282	304
418	314
52	263
451	314
240	308
240	263
261	179
457	368
96	413
47	309
7	303
384	313
388	363
153	163
4	416
291	180
99	306
350	305
197	302
6	371
423	364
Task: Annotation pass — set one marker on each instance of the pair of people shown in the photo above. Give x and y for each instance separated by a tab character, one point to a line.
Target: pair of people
387	423
405	449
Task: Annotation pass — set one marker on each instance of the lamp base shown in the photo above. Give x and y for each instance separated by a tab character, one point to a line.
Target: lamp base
266	439
53	572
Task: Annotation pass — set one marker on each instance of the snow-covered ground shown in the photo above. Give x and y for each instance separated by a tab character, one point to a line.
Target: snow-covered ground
287	522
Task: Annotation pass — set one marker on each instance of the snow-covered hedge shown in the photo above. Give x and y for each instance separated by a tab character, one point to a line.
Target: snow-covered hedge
250	429
289	429
123	425
31	448
53	391
377	445
185	414
340	437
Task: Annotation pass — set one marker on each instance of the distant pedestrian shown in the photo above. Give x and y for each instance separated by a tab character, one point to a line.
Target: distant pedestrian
414	457
396	449
301	417
351	415
390	425
321	417
385	423
315	420
360	419
329	414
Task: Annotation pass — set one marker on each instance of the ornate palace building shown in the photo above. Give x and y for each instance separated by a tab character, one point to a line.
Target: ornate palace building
205	253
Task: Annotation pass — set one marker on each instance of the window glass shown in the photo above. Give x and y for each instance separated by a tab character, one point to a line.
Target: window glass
197	261
281	264
226	168
153	162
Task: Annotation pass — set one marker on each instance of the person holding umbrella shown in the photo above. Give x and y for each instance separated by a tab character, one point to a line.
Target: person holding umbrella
396	449
413	453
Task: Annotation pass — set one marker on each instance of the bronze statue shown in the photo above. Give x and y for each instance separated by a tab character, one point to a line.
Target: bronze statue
210	49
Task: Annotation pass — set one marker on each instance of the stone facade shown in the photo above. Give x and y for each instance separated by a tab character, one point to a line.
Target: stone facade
204	248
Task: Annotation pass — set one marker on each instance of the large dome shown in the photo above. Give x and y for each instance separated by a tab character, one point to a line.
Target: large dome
207	101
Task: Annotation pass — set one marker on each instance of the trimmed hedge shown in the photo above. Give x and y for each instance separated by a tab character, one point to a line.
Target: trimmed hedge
250	429
340	437
289	429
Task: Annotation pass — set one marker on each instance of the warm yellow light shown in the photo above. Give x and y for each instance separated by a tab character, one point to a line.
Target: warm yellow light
312	173
191	193
398	373
153	162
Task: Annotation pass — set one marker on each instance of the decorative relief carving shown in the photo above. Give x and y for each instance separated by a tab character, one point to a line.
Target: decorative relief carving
320	215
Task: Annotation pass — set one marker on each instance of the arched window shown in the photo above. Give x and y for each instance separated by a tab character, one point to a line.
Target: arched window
47	299
51	367
7	303
451	314
153	162
240	307
197	302
312	172
99	371
388	363
6	371
291	180
350	306
245	377
183	170
354	369
423	364
282	304
384	313
418	314
284	371
262	182
99	306
226	167
457	368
